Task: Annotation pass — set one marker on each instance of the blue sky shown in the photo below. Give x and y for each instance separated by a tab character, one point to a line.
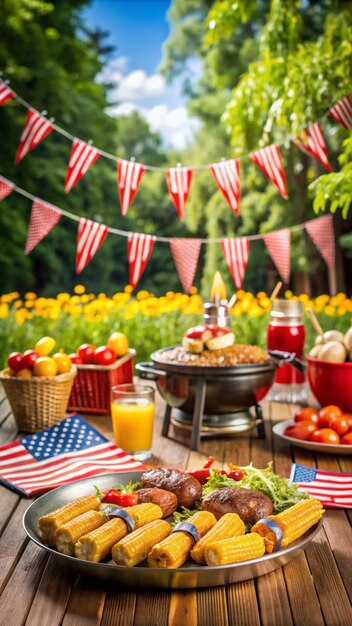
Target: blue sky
138	29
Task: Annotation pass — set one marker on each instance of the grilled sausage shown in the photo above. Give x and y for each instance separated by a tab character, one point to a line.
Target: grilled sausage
250	505
187	488
165	499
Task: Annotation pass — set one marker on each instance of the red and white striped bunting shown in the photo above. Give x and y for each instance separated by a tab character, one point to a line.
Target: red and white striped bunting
5	92
185	253
227	177
139	249
129	175
270	162
36	128
44	217
5	187
236	252
311	141
321	231
279	247
82	157
90	236
342	112
179	182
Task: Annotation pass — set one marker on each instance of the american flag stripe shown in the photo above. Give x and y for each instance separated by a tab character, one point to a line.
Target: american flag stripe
139	250
278	244
6	187
90	237
333	489
236	252
82	157
227	177
179	182
129	177
321	231
270	162
36	128
342	112
5	92
44	217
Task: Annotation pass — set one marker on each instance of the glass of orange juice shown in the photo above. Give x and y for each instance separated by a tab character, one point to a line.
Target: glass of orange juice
132	414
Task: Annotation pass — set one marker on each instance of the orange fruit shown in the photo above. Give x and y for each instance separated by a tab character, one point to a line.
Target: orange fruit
45	366
44	346
63	362
118	343
25	372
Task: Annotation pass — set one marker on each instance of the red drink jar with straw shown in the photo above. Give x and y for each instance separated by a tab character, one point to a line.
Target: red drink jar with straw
286	332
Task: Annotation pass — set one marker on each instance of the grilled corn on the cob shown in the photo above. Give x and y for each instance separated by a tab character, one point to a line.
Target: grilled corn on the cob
234	550
229	525
174	550
48	524
294	522
134	548
67	534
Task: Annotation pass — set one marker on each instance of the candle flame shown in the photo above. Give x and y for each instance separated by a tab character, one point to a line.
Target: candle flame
218	289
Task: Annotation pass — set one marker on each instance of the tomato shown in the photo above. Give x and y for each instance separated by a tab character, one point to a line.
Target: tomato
348	417
104	356
45	366
86	353
235	474
307	414
29	358
347	439
44	346
326	413
339	425
118	343
15	361
113	496
303	430
325	435
75	359
63	362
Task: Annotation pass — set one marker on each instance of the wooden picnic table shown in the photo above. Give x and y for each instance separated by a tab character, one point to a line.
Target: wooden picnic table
313	589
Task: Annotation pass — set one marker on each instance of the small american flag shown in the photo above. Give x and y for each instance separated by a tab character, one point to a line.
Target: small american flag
70	450
333	489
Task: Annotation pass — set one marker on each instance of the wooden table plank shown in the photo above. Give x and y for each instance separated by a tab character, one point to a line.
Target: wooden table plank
152	606
302	595
119	608
183	608
273	599
242	604
12	543
52	595
86	603
212	606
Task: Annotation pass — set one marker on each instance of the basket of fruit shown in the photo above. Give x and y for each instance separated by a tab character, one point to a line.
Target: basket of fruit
99	369
38	386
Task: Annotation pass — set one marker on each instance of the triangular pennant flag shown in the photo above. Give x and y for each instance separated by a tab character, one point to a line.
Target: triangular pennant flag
185	253
5	187
5	92
236	252
279	244
90	237
44	217
129	176
227	177
36	128
82	157
139	249
342	112
270	162
311	141
178	183
321	231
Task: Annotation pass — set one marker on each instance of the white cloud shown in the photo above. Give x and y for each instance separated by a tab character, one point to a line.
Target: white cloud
137	85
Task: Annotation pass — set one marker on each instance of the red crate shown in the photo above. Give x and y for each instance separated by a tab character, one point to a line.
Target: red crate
92	385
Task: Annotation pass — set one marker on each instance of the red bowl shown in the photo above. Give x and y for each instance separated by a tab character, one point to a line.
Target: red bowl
331	383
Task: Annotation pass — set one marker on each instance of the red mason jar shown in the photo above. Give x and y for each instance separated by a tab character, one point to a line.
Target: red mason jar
286	332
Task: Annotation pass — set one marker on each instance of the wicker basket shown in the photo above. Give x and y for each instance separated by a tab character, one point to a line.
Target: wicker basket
38	402
92	386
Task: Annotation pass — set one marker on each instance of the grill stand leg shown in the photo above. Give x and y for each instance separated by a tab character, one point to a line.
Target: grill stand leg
260	425
198	413
166	423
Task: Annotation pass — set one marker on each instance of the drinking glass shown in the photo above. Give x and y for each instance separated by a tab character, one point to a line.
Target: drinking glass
132	414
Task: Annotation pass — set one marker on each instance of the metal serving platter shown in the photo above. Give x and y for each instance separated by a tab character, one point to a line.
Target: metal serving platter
329	448
190	576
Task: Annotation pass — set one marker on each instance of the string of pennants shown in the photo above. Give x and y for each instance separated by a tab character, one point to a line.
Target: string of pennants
129	173
185	251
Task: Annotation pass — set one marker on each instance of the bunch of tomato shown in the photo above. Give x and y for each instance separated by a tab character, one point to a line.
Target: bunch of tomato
87	354
329	425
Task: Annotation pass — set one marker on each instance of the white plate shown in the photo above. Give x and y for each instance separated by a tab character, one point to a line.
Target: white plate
330	448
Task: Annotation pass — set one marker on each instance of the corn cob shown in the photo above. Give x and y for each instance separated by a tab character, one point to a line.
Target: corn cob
97	544
234	550
135	548
67	534
48	524
175	550
229	525
294	522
